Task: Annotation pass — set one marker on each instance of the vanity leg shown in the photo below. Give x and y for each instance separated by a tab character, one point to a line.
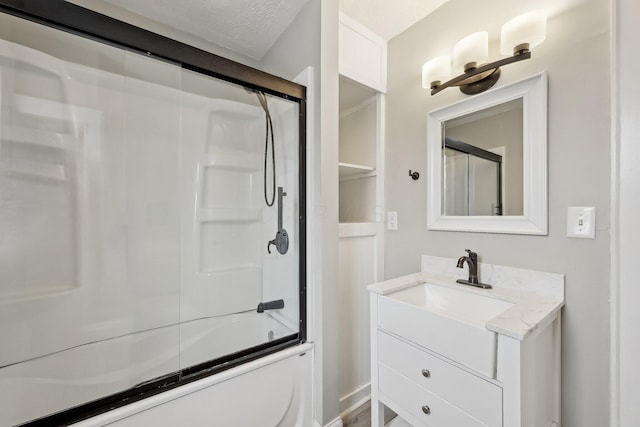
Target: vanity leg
377	408
377	414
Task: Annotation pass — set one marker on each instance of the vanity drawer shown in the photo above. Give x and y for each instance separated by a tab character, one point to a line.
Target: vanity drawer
474	395
423	406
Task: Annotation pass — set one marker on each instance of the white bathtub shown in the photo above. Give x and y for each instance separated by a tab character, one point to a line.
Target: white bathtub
272	391
208	339
48	384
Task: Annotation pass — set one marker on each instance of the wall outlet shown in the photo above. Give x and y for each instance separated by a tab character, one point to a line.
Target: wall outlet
392	220
581	222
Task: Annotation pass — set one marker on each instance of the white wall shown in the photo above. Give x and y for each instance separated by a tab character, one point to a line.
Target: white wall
576	57
626	179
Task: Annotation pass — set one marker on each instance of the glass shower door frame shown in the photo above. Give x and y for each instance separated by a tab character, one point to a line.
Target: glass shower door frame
74	19
479	153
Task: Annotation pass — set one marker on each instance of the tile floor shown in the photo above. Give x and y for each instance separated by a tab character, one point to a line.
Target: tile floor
361	418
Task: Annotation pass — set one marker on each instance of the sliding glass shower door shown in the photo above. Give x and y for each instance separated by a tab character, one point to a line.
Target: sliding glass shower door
227	184
151	223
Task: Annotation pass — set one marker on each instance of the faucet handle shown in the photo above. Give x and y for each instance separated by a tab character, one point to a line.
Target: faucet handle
472	254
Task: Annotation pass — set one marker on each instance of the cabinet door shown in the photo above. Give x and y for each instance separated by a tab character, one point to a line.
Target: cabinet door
362	55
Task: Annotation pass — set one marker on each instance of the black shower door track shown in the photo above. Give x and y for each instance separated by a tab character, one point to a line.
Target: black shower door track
74	19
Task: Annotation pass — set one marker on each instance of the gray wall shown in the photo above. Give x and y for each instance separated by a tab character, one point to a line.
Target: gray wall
576	57
298	46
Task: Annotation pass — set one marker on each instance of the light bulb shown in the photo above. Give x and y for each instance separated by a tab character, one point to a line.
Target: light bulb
436	70
524	31
473	48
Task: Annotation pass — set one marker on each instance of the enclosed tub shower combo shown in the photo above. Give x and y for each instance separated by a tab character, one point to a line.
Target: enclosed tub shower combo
152	214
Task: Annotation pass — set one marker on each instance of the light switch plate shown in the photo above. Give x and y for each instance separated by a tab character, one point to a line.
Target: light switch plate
581	222
392	220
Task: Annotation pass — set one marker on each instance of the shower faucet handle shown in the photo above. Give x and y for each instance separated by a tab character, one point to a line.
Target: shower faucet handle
281	242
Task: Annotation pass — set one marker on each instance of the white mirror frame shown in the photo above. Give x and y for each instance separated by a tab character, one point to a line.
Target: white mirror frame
533	91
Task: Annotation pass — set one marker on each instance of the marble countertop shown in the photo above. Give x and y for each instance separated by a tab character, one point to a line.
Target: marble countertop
532	309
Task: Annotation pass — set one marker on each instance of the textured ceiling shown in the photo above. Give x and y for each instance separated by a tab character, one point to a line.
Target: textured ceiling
388	18
249	27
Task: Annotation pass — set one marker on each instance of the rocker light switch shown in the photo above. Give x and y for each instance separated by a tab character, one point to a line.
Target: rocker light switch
392	220
581	222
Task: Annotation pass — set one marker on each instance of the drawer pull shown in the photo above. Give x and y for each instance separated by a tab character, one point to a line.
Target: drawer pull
426	373
426	409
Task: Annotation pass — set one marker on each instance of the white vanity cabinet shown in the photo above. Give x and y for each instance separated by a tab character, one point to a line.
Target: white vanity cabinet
436	385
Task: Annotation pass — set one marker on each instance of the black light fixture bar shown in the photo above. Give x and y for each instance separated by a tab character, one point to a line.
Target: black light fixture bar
471	86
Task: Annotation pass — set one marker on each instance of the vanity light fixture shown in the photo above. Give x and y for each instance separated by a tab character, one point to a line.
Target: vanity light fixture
517	38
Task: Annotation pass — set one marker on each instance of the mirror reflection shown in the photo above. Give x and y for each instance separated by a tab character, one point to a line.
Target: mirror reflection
482	162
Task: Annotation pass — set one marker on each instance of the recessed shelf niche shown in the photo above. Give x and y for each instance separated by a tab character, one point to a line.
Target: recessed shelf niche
357	152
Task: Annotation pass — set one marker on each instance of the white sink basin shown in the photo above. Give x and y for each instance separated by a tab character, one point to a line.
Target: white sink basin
448	321
463	306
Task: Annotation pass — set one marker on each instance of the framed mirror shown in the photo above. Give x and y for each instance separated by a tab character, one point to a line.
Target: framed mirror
487	161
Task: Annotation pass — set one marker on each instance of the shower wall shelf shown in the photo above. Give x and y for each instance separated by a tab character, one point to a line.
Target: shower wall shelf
231	160
36	169
53	146
229	215
38	137
350	170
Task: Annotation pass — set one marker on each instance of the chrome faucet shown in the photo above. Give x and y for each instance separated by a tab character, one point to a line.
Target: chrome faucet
472	263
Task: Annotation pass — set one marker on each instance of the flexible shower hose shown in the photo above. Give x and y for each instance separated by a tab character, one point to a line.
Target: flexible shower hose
268	136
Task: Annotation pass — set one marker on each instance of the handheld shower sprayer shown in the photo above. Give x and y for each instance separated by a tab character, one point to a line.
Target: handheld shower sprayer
281	241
